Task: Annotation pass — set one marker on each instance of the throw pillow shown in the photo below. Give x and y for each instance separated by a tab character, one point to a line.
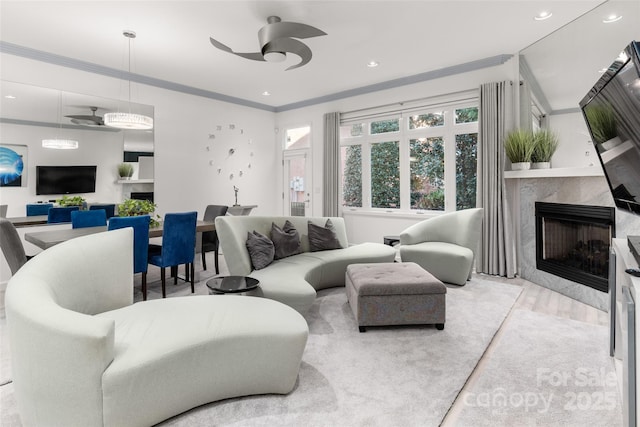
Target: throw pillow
322	238
261	250
286	240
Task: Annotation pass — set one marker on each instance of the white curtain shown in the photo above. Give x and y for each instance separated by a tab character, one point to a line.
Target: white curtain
497	254
331	165
525	106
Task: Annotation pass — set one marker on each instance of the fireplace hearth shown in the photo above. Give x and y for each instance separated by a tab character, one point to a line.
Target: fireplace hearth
572	241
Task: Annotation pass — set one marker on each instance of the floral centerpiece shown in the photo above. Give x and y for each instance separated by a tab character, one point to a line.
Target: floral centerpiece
134	207
71	201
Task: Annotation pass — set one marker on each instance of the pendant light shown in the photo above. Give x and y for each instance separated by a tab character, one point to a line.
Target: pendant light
60	143
128	120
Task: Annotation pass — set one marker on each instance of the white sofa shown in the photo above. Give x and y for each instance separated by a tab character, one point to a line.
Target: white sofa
84	355
294	280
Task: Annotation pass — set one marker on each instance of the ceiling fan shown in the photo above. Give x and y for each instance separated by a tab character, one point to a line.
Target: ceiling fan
278	38
85	120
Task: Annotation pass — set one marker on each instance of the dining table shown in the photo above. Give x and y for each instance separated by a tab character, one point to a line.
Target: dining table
48	238
28	221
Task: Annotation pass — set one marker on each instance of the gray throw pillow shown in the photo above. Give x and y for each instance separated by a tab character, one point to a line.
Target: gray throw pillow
286	240
261	250
322	238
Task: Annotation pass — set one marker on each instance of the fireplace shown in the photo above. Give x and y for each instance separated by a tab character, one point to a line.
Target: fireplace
572	241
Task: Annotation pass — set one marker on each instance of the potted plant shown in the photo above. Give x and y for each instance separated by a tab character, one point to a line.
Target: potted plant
602	122
71	201
545	144
125	170
134	207
519	145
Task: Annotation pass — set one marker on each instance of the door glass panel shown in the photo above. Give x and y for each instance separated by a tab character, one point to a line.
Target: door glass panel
298	193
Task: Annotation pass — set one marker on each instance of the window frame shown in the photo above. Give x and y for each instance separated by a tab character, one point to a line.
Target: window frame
448	132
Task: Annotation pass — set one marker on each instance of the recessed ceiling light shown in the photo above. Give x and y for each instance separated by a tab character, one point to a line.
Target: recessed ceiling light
266	93
543	15
10	97
612	18
372	64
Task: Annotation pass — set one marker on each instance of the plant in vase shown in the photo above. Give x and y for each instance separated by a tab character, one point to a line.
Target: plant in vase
134	207
519	145
602	122
545	144
65	201
125	170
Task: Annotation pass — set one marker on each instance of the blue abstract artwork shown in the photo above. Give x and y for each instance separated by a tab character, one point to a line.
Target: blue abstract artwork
12	166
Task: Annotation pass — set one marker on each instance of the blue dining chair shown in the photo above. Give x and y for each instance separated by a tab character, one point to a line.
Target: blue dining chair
178	247
82	219
61	214
110	209
34	209
140	226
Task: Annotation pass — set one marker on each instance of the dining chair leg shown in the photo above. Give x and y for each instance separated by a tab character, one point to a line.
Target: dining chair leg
193	274
144	285
174	271
164	281
186	272
204	259
216	261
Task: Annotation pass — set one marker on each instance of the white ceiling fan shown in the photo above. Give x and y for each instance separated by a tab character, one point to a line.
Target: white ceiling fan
278	38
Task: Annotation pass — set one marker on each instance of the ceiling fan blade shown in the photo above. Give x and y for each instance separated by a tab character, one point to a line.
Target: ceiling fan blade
86	120
256	56
291	46
279	30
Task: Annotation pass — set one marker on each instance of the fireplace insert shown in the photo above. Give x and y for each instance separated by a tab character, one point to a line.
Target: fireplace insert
573	241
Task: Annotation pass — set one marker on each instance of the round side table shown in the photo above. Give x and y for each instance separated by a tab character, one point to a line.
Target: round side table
231	284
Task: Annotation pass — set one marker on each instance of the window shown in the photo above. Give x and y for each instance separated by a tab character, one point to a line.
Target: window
297	138
424	161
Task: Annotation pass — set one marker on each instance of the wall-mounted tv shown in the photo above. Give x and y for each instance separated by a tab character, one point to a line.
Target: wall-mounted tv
65	179
612	112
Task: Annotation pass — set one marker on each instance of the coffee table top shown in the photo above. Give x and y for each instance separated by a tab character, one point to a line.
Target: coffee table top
232	284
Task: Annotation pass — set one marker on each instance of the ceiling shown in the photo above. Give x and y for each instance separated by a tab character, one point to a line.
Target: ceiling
406	37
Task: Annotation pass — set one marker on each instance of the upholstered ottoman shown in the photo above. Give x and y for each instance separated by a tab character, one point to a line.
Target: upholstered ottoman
383	294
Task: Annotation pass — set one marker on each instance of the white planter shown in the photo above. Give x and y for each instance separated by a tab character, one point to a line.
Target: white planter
520	166
613	142
540	165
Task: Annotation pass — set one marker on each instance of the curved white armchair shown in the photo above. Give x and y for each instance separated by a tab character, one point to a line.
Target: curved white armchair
445	246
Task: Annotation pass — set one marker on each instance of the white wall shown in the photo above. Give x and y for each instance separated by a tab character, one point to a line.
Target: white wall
575	148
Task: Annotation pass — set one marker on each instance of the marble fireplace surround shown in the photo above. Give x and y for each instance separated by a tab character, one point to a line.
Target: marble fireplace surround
579	190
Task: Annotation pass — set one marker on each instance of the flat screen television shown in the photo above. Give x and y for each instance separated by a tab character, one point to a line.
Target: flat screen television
611	110
65	179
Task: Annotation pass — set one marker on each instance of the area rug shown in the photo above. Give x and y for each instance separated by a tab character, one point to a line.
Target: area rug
387	376
545	371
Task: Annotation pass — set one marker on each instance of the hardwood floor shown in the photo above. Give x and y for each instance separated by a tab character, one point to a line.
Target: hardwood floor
533	298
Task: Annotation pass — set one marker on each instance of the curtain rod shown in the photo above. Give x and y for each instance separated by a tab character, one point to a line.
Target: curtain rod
401	103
